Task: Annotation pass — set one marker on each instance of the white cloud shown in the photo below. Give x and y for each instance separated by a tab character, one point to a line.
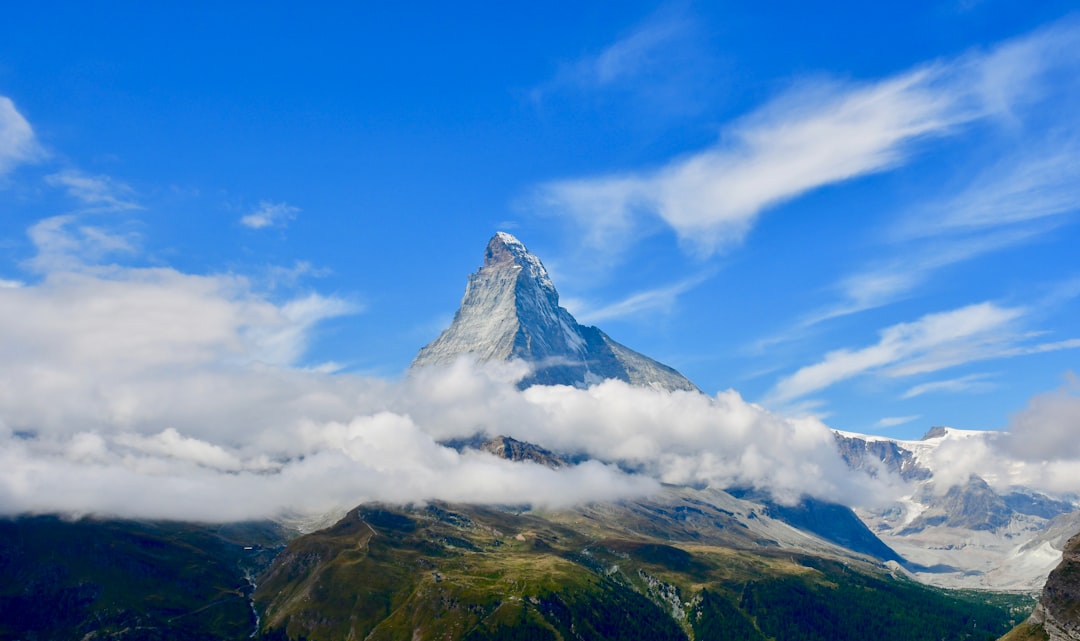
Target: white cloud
18	145
270	214
1046	428
157	394
933	342
63	243
625	58
1039	450
972	383
893	421
100	193
816	135
891	280
661	299
1028	189
801	141
285	343
1042	184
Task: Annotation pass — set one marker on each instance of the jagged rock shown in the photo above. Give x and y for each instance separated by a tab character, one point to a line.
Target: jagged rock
1057	615
515	450
871	456
968	534
972	506
511	311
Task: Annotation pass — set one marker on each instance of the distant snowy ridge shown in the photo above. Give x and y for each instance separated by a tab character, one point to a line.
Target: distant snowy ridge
511	311
972	532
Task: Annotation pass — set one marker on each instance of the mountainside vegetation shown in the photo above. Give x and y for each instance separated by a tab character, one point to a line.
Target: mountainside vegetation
474	573
456	572
91	579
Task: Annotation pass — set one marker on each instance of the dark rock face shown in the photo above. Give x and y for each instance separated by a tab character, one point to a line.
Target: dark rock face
974	506
511	311
831	521
872	456
1057	615
515	450
1036	504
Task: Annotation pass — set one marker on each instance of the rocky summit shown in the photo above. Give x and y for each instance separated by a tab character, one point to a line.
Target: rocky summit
511	311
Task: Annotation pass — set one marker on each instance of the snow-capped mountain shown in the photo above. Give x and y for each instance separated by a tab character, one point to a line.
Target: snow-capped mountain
511	311
975	532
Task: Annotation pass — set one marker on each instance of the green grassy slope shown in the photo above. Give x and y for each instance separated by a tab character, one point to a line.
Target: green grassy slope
93	579
457	572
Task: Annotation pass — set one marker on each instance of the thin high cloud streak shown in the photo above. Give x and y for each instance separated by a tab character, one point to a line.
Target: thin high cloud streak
972	383
270	214
18	144
1016	201
660	65
815	135
893	279
638	52
659	299
1028	89
934	342
98	193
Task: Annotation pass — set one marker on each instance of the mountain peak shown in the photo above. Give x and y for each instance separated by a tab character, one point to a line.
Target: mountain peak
511	311
505	251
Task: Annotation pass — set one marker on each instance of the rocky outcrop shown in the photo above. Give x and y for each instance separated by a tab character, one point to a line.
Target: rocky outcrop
1057	616
972	506
876	456
511	311
515	450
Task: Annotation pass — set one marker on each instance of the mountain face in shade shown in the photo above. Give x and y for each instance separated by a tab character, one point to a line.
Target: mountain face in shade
511	311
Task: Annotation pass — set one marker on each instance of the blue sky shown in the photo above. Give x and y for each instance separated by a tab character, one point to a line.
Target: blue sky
866	214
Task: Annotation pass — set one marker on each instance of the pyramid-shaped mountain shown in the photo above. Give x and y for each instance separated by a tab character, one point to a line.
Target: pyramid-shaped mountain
511	311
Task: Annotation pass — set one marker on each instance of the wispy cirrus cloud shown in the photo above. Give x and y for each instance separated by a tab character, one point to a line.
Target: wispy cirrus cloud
931	343
1031	189
99	193
641	51
806	139
893	421
270	214
18	144
972	383
822	132
659	299
1043	184
892	279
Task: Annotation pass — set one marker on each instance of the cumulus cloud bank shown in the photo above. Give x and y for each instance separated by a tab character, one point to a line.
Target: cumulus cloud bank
153	393
148	392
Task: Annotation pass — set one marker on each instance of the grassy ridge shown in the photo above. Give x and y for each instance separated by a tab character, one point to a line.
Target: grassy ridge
92	579
454	572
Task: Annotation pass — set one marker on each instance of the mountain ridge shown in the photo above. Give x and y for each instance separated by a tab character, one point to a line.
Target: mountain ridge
510	310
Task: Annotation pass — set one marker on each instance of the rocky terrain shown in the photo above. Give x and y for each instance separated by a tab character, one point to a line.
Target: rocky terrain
1057	615
686	565
965	535
511	311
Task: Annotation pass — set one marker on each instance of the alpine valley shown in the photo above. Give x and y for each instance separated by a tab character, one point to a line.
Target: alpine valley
947	559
